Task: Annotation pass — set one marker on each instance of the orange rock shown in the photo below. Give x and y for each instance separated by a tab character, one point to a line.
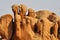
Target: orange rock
15	9
55	29
6	26
46	28
43	13
53	37
53	17
40	25
31	12
22	10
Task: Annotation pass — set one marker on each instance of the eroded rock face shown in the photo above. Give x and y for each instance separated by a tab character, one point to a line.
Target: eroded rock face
43	13
6	26
37	25
31	13
22	27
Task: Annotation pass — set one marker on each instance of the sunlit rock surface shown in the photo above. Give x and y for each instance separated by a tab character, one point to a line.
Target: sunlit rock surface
36	25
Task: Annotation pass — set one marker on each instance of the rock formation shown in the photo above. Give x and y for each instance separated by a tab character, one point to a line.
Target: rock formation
36	25
6	26
31	13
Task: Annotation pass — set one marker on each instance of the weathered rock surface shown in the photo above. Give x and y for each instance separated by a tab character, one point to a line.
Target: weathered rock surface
6	26
36	25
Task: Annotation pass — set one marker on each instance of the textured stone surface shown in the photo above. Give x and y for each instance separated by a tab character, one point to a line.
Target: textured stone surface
6	26
36	25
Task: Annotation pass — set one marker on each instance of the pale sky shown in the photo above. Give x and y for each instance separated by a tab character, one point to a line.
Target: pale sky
52	5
